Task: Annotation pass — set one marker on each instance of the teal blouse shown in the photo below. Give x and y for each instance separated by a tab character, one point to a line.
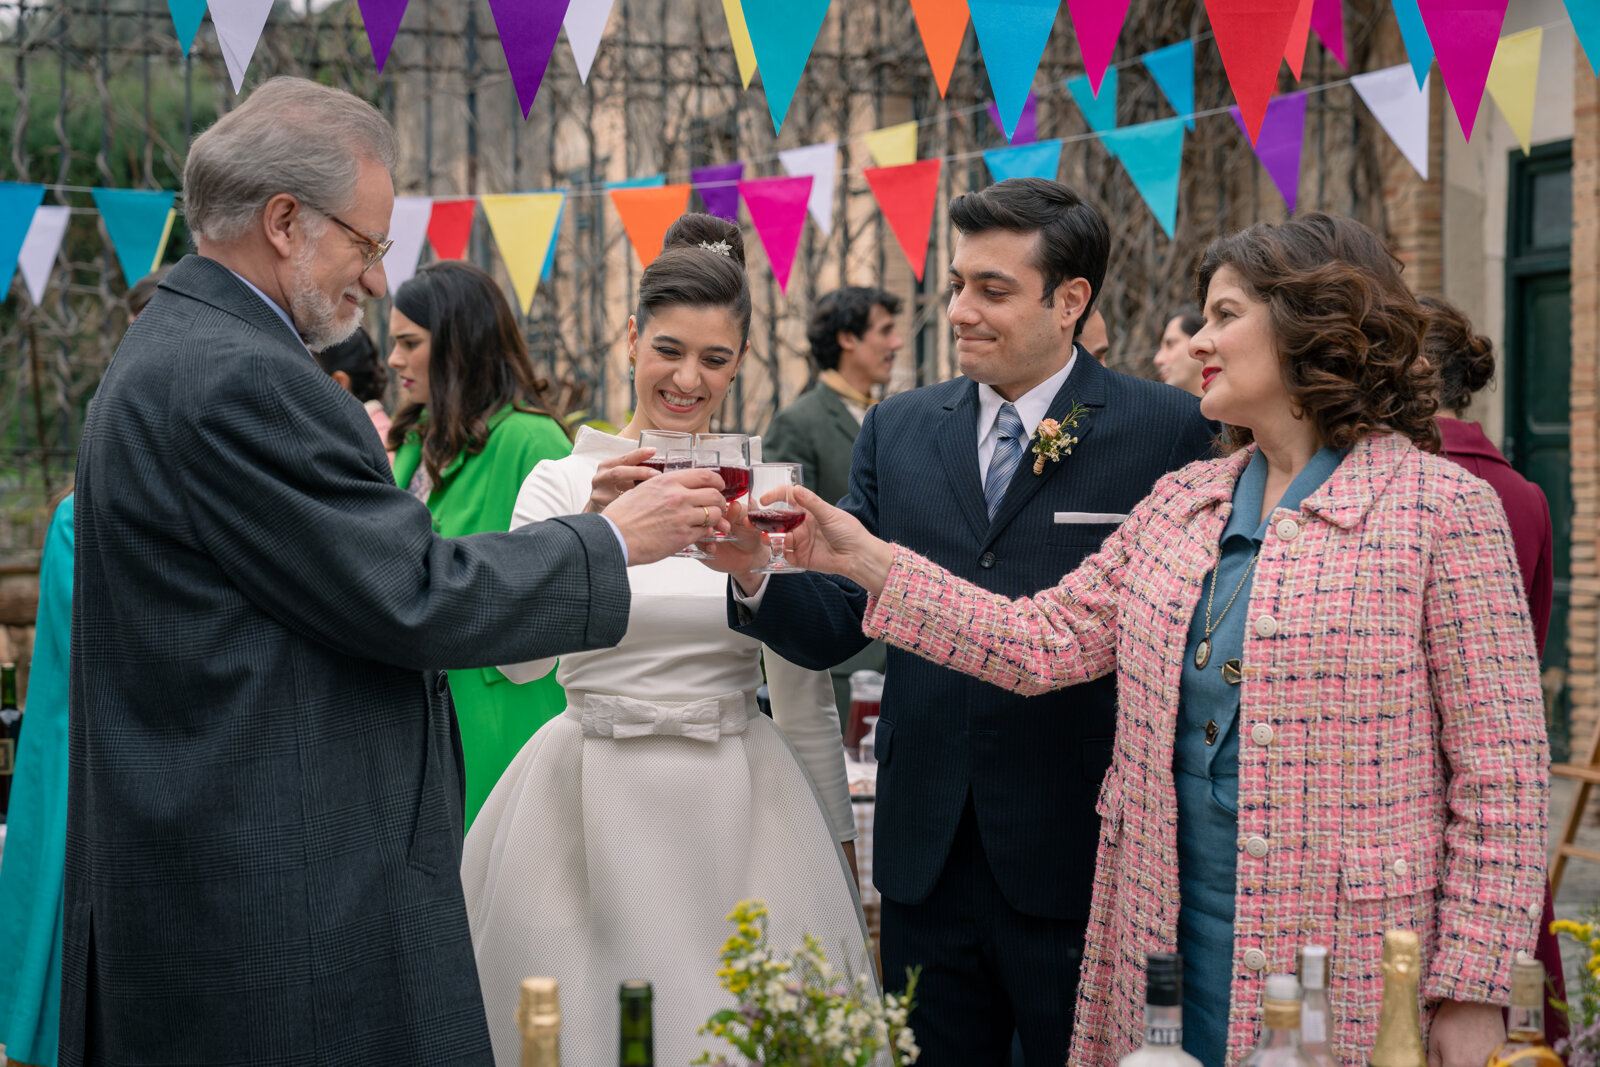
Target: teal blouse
1205	759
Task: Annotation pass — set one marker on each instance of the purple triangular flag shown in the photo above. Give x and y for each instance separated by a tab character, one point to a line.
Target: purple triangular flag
1027	125
382	19
528	30
718	187
1283	131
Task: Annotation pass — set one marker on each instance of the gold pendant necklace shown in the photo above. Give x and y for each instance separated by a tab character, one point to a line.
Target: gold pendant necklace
1202	651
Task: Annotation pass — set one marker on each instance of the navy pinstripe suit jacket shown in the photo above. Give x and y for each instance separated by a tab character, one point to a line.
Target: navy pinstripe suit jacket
265	808
1031	766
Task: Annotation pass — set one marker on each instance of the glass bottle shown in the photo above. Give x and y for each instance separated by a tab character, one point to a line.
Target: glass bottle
636	1041
1163	1015
1316	1017
10	733
1280	1026
1525	1045
1399	1041
539	1020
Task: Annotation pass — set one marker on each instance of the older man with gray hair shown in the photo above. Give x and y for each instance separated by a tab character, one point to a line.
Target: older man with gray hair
265	808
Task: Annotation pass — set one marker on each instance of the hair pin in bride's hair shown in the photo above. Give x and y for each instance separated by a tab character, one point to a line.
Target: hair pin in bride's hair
721	248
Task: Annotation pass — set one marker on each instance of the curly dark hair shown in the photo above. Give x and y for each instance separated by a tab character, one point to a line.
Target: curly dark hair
1465	358
1349	332
845	310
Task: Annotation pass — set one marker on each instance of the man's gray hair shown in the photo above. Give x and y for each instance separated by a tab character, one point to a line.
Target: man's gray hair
289	136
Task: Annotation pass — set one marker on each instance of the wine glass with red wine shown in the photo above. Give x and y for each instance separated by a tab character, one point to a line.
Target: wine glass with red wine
733	464
681	459
663	441
778	516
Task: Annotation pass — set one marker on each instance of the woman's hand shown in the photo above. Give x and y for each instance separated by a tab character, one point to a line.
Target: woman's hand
742	556
1464	1035
835	541
616	476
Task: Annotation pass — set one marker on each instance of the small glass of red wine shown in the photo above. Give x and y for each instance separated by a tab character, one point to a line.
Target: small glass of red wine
778	516
663	441
681	459
733	464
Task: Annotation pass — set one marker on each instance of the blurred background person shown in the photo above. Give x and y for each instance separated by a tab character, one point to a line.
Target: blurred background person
474	420
1095	336
1173	364
355	364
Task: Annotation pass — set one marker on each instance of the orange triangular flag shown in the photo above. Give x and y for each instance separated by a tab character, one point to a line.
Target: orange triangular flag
906	196
1299	34
646	214
942	23
1252	36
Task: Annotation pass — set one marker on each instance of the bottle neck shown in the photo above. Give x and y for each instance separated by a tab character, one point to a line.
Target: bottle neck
1280	1022
1399	1041
1525	1022
1163	1026
8	688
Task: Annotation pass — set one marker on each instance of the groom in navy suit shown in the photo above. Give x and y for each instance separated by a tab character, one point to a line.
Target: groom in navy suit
985	826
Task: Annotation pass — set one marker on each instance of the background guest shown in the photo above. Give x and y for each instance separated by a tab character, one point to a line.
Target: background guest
1172	359
474	420
1095	337
354	363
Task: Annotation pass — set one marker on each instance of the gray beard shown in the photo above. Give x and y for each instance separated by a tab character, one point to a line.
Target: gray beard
315	316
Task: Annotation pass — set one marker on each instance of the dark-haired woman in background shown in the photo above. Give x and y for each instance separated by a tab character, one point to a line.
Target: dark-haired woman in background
474	420
355	364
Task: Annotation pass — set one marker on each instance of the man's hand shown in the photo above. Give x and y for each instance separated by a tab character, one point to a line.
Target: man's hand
1464	1035
616	476
667	512
742	556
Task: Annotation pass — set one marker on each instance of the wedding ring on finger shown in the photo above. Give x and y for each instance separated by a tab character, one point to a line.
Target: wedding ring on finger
710	519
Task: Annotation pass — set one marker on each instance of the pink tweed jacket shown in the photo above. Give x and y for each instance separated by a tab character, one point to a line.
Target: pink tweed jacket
1393	759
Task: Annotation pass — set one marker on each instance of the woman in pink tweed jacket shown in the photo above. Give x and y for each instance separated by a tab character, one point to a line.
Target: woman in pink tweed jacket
1392	758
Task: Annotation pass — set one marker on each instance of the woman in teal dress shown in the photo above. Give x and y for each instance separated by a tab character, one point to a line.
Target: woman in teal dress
36	831
473	422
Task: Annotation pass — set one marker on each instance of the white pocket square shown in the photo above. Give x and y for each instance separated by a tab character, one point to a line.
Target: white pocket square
1087	518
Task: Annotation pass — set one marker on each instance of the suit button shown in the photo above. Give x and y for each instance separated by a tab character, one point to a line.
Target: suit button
1255	959
441	683
1401	867
986	560
1261	734
1256	846
1266	625
1288	530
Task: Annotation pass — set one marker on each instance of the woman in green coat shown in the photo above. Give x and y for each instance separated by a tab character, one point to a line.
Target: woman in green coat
473	422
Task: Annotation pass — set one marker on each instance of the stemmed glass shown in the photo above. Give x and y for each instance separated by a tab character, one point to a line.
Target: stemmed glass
733	464
662	441
681	459
777	517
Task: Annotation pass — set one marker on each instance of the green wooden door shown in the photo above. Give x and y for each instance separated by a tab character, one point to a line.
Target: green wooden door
1538	375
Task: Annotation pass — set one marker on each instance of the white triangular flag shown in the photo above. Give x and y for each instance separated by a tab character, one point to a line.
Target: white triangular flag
586	23
38	256
821	162
239	24
1401	109
408	229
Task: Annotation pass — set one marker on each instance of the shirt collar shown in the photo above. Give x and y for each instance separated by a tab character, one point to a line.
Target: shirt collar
271	303
1250	518
1031	406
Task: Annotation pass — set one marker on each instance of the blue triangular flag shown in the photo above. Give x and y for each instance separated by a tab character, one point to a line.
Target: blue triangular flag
186	18
1152	154
1172	68
782	32
1012	35
1419	47
17	204
555	232
1100	111
1585	16
136	222
1041	159
649	181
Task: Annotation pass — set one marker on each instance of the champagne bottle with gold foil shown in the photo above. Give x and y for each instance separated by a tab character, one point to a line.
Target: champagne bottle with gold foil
539	1020
1525	1045
1399	1042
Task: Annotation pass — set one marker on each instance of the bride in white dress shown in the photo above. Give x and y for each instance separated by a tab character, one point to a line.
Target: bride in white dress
619	838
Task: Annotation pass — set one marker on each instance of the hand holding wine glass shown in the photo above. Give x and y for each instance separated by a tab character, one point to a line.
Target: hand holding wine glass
618	474
834	541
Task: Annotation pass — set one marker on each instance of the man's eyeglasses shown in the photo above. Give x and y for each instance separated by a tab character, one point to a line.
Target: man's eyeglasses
373	250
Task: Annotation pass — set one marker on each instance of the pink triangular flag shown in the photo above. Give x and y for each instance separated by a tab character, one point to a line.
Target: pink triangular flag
777	207
382	19
1465	34
1327	19
1098	24
239	24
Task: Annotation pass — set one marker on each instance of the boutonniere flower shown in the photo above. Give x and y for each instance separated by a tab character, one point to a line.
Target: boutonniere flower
1052	440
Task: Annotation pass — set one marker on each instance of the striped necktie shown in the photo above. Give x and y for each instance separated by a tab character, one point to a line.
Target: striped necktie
1007	454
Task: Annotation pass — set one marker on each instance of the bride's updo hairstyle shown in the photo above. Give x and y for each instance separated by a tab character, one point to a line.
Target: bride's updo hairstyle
701	265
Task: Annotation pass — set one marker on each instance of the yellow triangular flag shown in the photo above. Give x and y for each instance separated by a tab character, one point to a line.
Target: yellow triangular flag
1513	77
523	224
893	146
166	235
743	50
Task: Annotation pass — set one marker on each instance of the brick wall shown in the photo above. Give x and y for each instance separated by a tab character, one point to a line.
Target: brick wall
1584	643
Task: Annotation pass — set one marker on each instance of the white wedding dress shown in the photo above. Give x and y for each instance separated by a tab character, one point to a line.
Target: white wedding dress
625	830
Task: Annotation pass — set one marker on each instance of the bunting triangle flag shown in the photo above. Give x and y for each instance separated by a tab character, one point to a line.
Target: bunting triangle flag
1042	159
1098	24
585	23
777	207
906	196
718	186
942	23
1585	16
382	19
528	31
1152	154
1419	50
524	225
1027	128
555	232
893	146
1252	36
1464	35
186	18
408	229
1283	134
239	24
819	162
647	181
18	204
1294	52
744	53
1513	77
1327	20
1099	111
450	227
783	33
1012	35
1401	108
138	221
39	248
1172	69
647	212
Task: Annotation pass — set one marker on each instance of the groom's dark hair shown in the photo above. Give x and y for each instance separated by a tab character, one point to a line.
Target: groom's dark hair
1074	241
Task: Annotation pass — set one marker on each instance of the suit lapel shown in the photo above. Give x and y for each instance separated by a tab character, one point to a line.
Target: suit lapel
838	415
1086	386
958	450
